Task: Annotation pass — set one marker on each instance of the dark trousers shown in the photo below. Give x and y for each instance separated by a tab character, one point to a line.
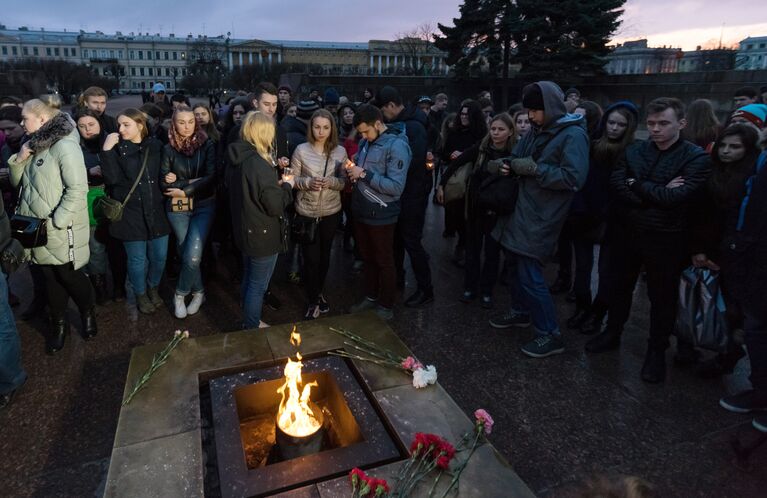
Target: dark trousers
317	257
584	264
455	220
63	282
118	262
376	244
477	276
663	256
565	253
755	325
408	238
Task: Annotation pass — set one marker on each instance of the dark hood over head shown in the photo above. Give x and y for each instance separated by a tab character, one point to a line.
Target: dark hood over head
553	102
627	104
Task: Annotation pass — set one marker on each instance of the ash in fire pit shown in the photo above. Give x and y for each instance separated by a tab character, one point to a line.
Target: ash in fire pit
245	412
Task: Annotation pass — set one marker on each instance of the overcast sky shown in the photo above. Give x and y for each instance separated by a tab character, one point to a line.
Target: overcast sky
679	23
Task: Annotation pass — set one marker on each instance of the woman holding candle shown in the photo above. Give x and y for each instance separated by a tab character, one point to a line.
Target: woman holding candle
258	206
317	164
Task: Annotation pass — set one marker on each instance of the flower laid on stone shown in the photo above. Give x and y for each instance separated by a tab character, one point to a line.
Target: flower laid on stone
364	486
483	426
422	376
158	360
427	452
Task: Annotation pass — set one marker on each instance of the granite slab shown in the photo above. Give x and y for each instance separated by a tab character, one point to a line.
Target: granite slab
158	450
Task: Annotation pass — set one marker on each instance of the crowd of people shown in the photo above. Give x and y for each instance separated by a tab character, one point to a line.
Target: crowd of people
131	198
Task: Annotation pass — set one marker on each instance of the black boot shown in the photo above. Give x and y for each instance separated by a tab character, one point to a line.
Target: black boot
99	283
89	324
59	328
609	340
654	368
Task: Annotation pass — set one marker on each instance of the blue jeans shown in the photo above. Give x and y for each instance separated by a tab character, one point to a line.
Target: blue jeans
142	254
192	229
12	375
255	280
97	264
530	294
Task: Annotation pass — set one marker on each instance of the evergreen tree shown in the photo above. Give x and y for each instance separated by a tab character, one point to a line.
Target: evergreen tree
547	38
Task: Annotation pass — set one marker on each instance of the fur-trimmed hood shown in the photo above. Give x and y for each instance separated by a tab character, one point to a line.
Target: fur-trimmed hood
58	127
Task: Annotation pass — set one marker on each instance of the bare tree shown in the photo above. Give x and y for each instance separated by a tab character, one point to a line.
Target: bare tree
416	46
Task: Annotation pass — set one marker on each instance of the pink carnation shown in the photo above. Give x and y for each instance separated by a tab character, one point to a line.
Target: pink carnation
485	419
411	363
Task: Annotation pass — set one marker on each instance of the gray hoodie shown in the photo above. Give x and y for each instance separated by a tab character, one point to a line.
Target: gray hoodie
561	149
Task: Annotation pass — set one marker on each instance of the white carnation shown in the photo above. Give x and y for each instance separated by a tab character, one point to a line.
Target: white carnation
422	377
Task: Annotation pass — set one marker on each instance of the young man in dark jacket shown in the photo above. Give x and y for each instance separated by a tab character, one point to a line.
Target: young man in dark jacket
654	184
415	197
379	179
552	162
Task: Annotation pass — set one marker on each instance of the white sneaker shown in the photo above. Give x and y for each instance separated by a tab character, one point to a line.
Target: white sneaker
263	325
179	306
194	305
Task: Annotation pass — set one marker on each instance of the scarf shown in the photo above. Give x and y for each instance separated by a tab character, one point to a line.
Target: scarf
189	145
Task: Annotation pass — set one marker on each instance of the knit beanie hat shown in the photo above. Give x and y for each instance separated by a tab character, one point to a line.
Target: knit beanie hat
532	97
753	113
572	90
331	96
287	87
306	108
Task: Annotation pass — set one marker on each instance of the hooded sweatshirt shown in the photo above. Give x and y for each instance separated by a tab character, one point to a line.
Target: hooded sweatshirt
561	150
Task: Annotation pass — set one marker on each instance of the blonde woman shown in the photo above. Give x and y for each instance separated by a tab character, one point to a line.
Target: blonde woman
317	164
258	205
54	186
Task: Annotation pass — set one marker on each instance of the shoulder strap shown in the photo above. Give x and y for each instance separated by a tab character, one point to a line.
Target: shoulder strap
325	173
138	178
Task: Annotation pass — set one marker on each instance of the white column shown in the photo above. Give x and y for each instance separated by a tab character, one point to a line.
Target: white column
260	58
379	64
371	62
279	57
240	58
270	58
395	62
388	61
229	56
444	65
250	58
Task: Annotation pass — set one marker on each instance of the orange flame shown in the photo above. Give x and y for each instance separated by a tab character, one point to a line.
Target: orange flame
294	416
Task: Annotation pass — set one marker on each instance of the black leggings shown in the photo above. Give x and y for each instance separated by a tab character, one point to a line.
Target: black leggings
63	282
317	257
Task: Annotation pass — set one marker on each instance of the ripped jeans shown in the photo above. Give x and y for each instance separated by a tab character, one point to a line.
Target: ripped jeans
191	230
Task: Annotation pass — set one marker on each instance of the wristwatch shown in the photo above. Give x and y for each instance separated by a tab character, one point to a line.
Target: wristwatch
630	182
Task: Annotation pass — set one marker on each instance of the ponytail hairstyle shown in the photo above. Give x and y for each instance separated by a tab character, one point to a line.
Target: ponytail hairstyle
258	130
51	100
40	108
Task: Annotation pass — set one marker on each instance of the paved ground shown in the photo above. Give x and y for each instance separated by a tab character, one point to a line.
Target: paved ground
559	420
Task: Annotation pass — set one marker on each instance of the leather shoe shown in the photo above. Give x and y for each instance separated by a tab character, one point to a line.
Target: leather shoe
579	319
419	298
57	335
90	330
654	368
606	341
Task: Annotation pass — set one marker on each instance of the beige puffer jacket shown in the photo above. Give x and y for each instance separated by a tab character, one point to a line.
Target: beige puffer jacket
308	164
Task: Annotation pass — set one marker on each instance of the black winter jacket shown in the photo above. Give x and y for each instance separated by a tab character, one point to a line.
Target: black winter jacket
649	205
744	252
202	165
295	132
419	179
257	201
144	215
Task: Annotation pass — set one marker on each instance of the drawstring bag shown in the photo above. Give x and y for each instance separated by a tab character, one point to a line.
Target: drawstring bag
701	317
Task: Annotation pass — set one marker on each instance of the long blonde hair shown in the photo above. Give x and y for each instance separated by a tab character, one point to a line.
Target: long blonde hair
258	130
